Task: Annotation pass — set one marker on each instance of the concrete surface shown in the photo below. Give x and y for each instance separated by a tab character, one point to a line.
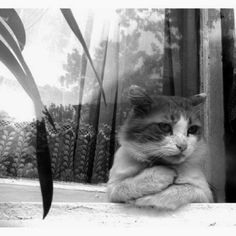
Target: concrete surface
77	205
13	192
26	193
78	215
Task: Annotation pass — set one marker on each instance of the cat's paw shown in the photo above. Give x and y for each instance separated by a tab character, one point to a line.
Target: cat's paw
157	203
164	176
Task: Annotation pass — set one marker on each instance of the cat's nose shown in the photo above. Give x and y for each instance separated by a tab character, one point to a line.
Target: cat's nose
182	147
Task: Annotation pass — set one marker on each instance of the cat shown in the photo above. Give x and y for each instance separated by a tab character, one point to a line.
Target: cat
161	161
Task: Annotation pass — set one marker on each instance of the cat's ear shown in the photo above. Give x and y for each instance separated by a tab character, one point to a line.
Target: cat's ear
198	99
139	99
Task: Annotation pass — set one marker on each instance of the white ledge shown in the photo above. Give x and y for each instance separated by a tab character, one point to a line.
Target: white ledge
56	184
117	215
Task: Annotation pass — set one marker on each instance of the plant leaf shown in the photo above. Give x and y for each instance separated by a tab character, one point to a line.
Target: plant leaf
10	55
12	64
28	79
44	166
11	17
67	13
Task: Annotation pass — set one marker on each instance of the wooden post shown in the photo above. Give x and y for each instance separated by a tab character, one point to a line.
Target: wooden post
211	76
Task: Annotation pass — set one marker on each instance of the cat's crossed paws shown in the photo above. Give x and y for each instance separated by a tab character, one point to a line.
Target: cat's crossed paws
167	197
157	201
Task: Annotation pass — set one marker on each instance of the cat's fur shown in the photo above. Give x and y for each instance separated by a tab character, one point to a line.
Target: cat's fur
161	161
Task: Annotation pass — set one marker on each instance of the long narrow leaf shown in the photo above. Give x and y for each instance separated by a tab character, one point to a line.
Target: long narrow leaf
44	166
9	35
67	13
28	81
43	155
12	64
13	20
10	55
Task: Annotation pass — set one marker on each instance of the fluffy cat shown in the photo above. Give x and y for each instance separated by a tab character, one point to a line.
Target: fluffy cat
161	160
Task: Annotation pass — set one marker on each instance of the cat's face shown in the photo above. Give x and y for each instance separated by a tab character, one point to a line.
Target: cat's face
164	129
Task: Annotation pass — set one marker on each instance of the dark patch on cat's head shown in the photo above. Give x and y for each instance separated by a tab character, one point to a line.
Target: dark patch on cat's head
138	131
172	107
169	108
143	105
140	101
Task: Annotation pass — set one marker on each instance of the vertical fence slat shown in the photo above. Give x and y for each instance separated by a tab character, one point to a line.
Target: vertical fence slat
212	84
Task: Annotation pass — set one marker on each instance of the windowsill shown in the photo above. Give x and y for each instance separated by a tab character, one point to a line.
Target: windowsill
56	184
88	205
118	215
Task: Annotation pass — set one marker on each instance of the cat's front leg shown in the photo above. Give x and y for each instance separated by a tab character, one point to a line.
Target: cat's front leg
149	181
175	196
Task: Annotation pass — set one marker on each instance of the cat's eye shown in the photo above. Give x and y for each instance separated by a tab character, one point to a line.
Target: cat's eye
193	129
165	127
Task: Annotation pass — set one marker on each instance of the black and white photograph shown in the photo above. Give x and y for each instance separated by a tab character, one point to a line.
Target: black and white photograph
120	117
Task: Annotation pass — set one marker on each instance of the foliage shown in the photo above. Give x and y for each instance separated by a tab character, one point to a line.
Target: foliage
17	152
141	67
72	69
18	148
61	113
